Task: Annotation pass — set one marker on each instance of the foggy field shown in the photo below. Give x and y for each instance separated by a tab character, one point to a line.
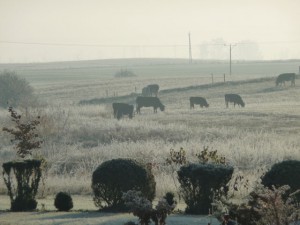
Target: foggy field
80	58
70	82
78	138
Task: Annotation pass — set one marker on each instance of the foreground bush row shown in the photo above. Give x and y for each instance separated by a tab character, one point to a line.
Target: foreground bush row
199	184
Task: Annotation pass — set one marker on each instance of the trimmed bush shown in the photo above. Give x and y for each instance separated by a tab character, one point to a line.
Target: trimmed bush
198	183
22	177
112	178
284	173
22	192
63	201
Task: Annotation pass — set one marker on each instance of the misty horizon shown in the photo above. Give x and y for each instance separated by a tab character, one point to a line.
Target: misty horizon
49	31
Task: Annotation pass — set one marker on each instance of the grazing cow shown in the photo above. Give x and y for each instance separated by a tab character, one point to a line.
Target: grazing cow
236	99
148	102
145	92
282	78
151	89
121	109
198	101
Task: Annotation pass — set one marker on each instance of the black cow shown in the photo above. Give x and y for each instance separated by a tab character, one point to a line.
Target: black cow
145	91
148	102
198	101
151	89
282	78
121	109
236	99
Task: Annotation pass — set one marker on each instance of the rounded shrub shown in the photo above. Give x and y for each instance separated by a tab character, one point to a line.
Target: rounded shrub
198	183
113	178
284	173
63	201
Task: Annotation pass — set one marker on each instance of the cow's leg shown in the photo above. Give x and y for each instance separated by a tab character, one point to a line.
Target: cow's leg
226	103
293	82
119	115
155	109
138	110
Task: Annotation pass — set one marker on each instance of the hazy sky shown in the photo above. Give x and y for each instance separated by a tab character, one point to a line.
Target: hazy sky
54	30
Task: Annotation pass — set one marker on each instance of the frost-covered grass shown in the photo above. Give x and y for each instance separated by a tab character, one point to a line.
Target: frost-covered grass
78	138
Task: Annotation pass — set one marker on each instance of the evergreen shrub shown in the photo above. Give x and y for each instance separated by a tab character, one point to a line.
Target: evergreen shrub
63	201
113	178
27	174
198	182
284	173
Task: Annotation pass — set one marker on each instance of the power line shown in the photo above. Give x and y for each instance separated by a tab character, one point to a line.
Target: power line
86	45
269	42
147	45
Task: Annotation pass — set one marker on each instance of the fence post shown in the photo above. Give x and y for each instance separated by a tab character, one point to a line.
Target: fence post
224	78
106	91
135	89
212	78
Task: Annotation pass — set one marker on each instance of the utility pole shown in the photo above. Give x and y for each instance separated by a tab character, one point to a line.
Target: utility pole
230	49
190	50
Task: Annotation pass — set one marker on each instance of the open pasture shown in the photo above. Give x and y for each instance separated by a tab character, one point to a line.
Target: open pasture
70	82
77	138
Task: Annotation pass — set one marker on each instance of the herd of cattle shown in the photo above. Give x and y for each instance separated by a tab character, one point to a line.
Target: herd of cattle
149	99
